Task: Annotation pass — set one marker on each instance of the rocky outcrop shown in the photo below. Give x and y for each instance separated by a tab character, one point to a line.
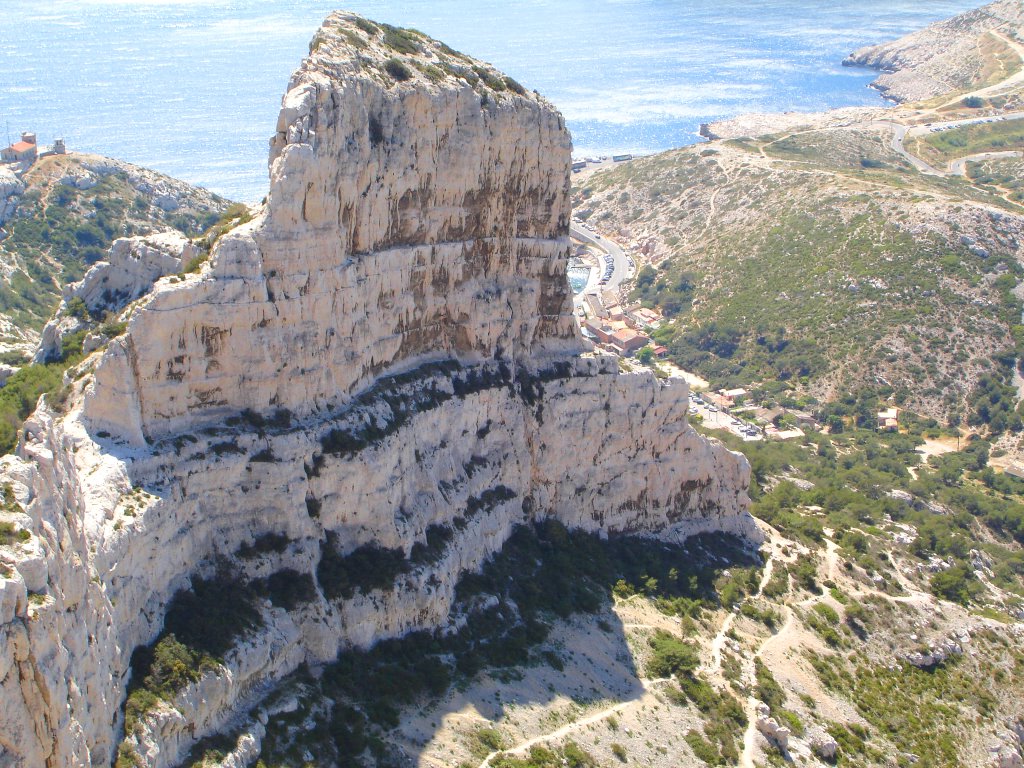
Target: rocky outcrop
131	268
822	744
10	189
936	653
943	57
386	348
408	220
769	727
1007	753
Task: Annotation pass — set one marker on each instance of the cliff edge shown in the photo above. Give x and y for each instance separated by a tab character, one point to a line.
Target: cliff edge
381	359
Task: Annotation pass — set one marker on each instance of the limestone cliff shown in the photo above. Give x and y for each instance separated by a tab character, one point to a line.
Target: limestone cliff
387	346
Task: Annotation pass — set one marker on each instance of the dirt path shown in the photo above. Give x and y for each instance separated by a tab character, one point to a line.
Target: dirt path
750	735
712	202
568	728
714	667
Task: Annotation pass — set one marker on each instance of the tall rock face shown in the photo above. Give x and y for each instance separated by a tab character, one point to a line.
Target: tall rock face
411	216
387	347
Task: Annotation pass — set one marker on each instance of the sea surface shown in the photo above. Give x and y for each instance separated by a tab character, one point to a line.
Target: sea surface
192	87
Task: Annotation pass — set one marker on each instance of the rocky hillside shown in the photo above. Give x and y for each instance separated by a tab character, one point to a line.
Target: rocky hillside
314	438
811	257
966	52
63	214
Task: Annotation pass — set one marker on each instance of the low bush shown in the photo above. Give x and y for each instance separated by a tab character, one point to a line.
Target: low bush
398	70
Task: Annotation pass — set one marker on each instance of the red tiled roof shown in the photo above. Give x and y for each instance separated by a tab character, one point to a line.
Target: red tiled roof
21	146
626	335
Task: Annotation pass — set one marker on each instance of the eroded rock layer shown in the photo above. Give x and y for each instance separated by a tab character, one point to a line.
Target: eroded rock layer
386	347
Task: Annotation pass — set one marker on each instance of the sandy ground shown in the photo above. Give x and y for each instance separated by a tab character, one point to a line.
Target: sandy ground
936	447
697	384
600	698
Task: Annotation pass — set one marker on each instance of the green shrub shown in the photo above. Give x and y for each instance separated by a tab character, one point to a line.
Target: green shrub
957	584
670	656
367	26
76	308
19	395
515	87
9	534
702	749
398	70
401	40
827	612
486	741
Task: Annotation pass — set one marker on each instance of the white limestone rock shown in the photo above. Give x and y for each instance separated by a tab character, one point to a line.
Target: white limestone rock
408	271
11	188
132	266
822	743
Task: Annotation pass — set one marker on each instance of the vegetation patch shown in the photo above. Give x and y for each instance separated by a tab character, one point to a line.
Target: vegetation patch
200	626
398	70
943	146
917	710
60	231
366	568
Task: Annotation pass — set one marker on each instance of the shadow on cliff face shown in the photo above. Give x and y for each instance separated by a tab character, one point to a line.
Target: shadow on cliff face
533	627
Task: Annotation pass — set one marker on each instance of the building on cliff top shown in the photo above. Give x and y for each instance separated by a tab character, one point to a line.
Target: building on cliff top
22	151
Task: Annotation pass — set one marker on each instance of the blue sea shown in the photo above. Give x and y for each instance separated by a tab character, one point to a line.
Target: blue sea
192	87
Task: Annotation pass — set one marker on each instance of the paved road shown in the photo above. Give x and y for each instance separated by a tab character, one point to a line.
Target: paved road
718	419
959	166
621	270
902	132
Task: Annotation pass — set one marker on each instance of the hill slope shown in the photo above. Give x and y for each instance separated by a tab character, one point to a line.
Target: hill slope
820	258
64	215
972	50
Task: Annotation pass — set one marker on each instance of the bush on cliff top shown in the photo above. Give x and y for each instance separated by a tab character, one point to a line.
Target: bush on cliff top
398	70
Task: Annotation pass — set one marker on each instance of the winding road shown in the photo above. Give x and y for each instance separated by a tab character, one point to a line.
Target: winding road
903	132
621	269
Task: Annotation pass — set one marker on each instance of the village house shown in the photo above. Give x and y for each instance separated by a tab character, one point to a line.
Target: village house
888	420
731	397
616	335
23	151
644	317
599	330
615	313
804	419
767	415
661	352
627	341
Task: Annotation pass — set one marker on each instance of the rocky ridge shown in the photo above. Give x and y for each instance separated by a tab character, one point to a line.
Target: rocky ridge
386	347
941	58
